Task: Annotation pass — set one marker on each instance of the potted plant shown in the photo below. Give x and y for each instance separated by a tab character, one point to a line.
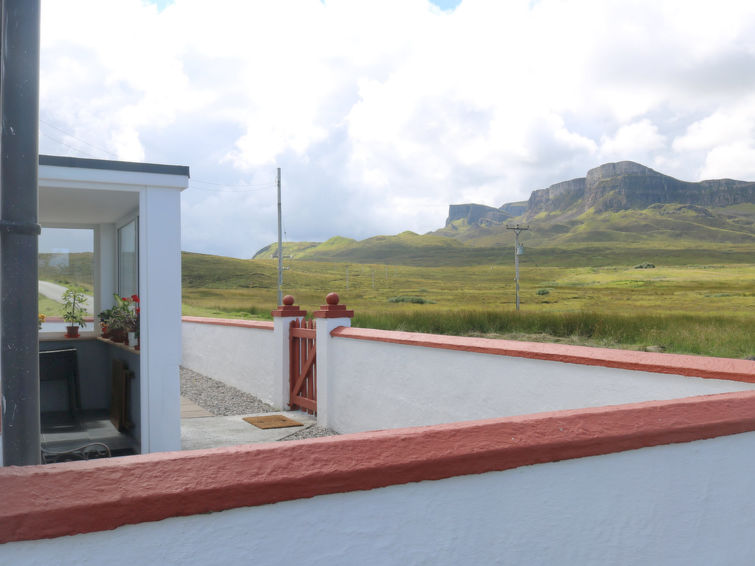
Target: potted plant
73	310
104	318
124	318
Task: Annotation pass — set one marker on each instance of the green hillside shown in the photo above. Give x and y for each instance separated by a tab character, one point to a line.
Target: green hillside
665	233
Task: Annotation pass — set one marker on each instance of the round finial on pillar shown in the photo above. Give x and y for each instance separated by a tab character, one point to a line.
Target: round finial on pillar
288	300
332	299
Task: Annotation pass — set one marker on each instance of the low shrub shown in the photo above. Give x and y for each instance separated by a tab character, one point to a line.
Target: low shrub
408	299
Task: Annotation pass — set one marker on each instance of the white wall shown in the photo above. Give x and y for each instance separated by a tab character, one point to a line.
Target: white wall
378	385
681	504
240	357
160	318
371	385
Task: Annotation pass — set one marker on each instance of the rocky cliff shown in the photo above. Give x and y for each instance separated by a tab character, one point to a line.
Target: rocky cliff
478	214
612	187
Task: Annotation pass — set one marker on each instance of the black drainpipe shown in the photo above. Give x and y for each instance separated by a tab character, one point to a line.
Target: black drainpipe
19	231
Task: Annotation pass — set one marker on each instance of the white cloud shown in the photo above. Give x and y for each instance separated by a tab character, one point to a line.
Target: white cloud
383	113
638	141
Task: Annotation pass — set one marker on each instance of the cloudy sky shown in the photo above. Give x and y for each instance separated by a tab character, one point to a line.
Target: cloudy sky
382	112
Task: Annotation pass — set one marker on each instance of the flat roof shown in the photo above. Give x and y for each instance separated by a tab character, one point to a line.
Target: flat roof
107	164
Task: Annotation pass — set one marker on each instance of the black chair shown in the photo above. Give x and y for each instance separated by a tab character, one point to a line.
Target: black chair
60	366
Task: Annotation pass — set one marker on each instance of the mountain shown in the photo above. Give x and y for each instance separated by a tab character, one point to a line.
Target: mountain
618	212
614	187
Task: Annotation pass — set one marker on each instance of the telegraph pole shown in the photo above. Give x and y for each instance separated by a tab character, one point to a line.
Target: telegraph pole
280	243
517	228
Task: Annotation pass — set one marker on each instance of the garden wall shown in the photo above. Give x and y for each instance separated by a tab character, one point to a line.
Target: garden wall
237	352
376	379
383	379
652	483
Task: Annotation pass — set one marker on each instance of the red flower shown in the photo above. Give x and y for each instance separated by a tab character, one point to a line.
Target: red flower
135	298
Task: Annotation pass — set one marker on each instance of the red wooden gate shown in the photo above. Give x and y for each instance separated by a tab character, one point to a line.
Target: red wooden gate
303	371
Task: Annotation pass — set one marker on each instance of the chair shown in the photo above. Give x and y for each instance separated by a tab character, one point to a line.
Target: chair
60	366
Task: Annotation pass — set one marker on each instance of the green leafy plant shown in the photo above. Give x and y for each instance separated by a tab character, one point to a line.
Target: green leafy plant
124	315
73	306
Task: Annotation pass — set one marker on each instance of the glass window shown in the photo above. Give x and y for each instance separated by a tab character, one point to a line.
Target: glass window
66	259
128	259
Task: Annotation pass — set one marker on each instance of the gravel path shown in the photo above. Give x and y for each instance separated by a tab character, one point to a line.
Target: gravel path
223	400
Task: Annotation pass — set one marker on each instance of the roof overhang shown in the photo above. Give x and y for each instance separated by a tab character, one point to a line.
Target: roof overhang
74	191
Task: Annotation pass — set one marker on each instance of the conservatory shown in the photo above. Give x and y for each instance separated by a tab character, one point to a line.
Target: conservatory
116	224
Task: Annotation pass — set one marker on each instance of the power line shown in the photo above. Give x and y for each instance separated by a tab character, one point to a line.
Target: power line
232	189
224	187
76	149
70	135
266	184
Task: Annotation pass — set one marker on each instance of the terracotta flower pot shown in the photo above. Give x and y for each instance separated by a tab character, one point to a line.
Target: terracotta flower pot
72	331
118	335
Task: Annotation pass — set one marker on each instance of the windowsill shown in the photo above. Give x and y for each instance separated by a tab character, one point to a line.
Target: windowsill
57	336
119	345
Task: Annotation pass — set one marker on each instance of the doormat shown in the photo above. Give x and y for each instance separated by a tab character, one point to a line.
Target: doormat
272	421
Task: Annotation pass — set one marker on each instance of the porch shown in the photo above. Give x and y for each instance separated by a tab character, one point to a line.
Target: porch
130	215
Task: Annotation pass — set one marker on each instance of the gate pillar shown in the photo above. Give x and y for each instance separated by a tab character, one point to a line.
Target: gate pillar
282	317
329	317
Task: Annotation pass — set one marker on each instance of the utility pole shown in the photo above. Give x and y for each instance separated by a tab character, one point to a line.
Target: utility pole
280	243
517	228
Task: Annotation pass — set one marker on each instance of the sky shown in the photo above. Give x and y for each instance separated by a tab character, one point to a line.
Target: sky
381	113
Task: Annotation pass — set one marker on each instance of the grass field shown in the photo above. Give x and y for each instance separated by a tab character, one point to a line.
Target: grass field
48	307
696	309
704	309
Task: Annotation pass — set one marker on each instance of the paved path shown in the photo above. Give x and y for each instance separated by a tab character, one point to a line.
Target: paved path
55	292
214	432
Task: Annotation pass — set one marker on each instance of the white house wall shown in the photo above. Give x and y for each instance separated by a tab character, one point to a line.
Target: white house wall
160	293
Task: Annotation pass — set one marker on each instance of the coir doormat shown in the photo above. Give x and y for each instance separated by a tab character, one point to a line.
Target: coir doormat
272	421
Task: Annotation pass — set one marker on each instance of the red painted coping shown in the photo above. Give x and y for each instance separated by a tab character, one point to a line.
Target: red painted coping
693	366
258	324
79	497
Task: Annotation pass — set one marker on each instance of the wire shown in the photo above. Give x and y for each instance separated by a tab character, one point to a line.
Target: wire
69	134
223	187
230	189
76	149
267	184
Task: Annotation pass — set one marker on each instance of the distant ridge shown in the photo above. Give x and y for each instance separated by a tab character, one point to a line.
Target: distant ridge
617	210
614	187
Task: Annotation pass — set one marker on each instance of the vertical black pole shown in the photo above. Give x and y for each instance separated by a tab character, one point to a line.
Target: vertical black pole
19	231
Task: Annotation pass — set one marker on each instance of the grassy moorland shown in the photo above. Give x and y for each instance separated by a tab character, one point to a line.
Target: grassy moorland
704	309
698	309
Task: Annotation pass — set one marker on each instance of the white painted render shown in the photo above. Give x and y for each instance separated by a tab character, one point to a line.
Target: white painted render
327	360
240	357
378	385
160	295
368	385
677	505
